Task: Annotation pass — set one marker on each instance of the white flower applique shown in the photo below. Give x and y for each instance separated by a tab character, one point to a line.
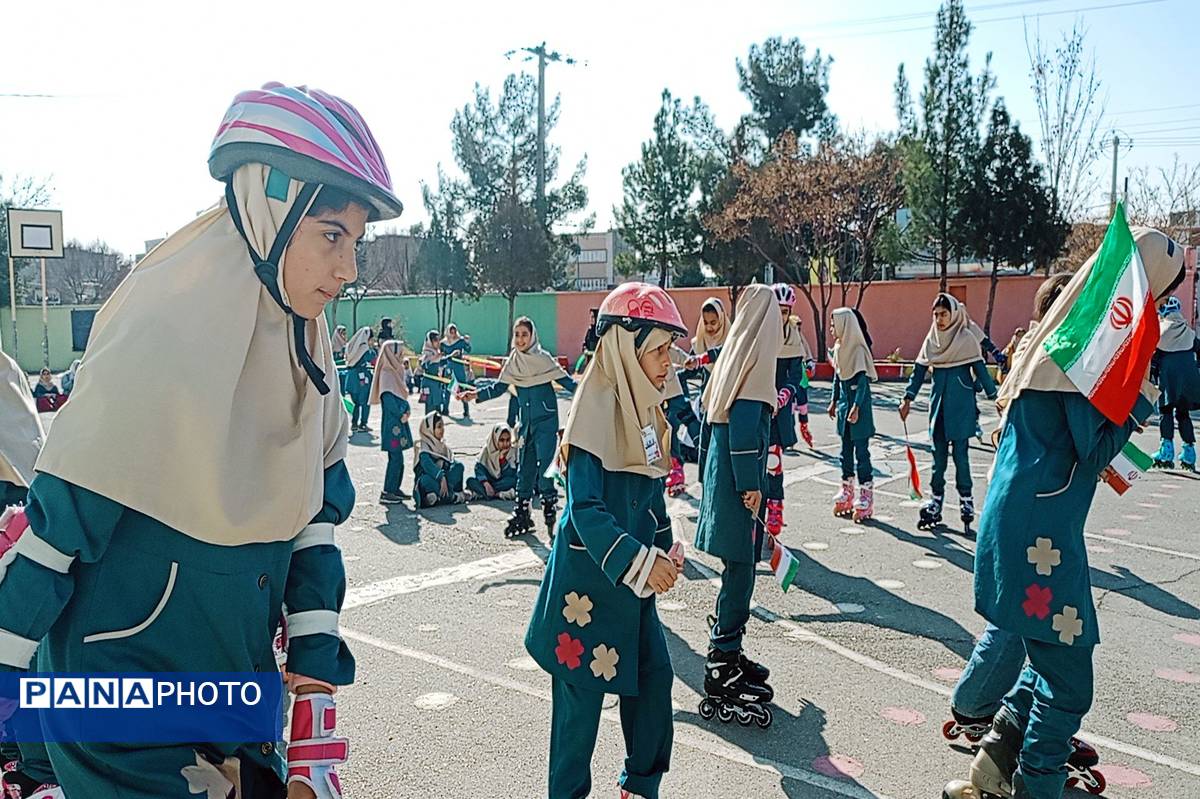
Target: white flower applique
1044	556
604	662
1067	624
578	609
204	778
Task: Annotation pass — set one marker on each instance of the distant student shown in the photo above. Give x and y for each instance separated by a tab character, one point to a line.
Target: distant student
435	390
390	389
1178	379
854	370
439	477
455	347
358	378
496	470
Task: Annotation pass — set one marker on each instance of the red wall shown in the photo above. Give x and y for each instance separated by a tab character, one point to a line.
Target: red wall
897	312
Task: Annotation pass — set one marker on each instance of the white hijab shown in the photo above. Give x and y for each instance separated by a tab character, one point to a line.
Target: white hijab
229	442
957	345
21	433
358	346
490	455
746	367
851	354
532	366
428	442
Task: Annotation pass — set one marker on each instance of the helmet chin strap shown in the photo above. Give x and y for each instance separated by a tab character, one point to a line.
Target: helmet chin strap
267	270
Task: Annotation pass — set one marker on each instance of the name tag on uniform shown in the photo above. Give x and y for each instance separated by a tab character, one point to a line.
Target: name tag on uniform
650	444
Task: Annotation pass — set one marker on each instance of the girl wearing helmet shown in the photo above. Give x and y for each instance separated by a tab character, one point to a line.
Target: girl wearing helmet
789	372
168	526
531	371
951	351
739	402
595	628
1175	371
854	370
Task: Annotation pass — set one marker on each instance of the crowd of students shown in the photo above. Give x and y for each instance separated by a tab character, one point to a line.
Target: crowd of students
240	520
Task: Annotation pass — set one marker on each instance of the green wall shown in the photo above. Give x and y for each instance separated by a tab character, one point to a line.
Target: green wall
29	336
485	320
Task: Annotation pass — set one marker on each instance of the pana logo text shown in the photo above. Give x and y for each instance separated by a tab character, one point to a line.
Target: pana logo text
107	693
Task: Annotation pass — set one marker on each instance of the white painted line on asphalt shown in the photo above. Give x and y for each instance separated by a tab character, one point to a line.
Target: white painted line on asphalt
1146	547
802	633
682	737
459	573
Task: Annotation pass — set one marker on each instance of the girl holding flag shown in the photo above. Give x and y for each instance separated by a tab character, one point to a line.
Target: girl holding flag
358	378
595	628
184	557
854	370
456	348
1175	372
390	389
1076	393
532	373
951	351
740	400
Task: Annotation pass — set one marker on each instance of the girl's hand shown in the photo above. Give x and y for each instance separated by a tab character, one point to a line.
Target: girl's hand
904	408
662	575
491	492
852	417
298	790
832	411
445	488
752	500
404	418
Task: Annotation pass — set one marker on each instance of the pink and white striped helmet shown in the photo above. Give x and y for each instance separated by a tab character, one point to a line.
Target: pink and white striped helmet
309	135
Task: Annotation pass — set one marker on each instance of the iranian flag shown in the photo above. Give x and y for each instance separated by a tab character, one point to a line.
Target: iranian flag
1130	464
1110	333
783	564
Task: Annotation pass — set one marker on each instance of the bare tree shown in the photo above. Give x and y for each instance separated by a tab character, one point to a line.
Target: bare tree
1167	198
1070	111
87	274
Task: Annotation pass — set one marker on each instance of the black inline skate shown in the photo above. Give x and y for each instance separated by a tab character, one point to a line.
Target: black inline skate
520	523
730	693
966	512
931	514
550	514
755	672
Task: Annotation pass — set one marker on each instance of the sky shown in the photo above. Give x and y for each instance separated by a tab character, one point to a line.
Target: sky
138	88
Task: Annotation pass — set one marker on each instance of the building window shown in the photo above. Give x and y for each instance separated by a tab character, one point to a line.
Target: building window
590	257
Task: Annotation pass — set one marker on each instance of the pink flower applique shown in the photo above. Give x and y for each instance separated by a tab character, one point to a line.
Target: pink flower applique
568	651
1037	602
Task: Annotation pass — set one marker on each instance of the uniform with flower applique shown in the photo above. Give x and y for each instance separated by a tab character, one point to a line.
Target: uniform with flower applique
595	627
1031	567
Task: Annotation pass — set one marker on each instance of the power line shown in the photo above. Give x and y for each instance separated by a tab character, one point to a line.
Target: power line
1150	110
976	23
1136	125
867	21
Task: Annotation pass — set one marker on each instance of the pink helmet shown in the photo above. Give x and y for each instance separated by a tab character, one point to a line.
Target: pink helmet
308	135
639	306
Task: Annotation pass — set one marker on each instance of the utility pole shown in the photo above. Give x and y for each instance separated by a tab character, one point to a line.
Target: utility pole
543	55
1112	202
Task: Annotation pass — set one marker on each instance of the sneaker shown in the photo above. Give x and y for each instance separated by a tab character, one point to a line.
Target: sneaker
508	495
431	499
460	497
388	498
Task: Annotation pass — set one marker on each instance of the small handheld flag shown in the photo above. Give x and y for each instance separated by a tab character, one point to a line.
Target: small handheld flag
783	563
1130	464
914	474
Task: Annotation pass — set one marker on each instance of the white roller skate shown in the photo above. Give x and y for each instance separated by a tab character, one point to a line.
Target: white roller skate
864	508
